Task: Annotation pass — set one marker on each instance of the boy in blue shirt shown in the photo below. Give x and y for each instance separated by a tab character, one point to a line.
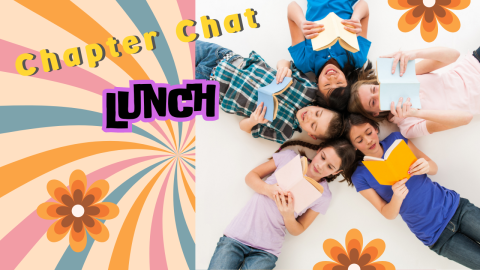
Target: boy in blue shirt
331	68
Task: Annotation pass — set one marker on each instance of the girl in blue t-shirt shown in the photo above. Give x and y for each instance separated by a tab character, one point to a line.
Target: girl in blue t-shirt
436	215
333	68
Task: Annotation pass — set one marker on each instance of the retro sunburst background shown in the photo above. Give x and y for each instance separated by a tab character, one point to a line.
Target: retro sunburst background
50	125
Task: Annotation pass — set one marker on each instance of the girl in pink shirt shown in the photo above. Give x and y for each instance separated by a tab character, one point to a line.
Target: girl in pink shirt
449	99
254	238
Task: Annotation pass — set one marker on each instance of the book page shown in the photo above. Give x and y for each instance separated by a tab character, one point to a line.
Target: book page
348	37
267	102
290	174
390	149
327	37
372	158
304	194
265	95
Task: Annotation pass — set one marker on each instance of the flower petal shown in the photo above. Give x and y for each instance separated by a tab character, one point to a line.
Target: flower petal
97	191
333	249
57	230
410	19
329	266
354	240
78	239
382	266
454	4
403	4
374	249
429	29
103	210
51	210
450	21
78	185
96	229
59	192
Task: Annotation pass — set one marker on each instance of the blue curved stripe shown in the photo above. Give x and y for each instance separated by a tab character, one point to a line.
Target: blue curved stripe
16	118
189	150
72	260
180	124
186	240
188	163
142	16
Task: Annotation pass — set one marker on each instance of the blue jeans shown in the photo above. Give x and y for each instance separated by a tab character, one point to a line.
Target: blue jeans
207	57
460	240
231	254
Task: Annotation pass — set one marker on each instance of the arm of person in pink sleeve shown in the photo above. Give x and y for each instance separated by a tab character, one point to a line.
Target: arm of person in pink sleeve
435	120
413	128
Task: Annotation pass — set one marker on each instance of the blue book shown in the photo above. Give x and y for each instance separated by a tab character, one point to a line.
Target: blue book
267	95
393	87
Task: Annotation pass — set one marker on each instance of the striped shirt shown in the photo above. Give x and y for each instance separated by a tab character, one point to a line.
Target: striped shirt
238	95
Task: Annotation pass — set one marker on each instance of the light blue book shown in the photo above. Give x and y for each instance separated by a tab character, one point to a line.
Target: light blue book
267	95
393	87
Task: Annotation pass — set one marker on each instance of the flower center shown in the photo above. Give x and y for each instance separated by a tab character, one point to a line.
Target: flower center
354	266
78	210
429	3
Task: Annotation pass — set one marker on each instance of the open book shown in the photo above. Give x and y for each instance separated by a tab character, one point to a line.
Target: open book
267	95
334	30
291	177
393	87
394	167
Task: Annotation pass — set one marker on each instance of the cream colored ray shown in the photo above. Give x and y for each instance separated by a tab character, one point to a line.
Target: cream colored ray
46	252
37	33
187	209
100	254
174	252
168	16
117	23
34	91
140	256
190	181
36	190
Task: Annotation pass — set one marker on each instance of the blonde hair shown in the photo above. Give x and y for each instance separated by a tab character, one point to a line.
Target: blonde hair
366	76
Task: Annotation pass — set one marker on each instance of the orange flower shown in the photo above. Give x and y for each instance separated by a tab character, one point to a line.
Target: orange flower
78	210
353	258
429	11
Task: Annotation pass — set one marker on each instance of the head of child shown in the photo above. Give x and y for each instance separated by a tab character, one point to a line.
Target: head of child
320	123
365	100
332	158
334	84
362	132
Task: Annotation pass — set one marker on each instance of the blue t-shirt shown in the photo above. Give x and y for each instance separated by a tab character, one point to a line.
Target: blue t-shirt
427	208
307	60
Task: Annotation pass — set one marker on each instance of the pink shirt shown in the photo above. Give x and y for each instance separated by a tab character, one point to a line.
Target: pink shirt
260	225
455	89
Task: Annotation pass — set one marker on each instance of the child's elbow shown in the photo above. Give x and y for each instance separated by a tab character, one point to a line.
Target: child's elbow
292	5
456	55
467	119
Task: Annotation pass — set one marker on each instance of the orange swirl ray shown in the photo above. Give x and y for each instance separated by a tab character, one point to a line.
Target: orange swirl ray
20	172
121	252
72	19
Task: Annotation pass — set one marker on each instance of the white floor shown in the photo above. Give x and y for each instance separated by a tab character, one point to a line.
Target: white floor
225	154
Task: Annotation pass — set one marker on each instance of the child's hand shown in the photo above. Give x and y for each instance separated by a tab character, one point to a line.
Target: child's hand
400	190
285	204
421	166
258	116
274	189
353	25
403	57
311	29
282	73
403	111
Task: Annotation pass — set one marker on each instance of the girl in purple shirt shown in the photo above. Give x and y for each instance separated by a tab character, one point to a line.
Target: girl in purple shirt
254	238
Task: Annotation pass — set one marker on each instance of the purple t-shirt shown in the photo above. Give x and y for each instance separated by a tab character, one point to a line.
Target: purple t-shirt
260	225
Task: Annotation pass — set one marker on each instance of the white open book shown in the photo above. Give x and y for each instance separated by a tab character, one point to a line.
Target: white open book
335	31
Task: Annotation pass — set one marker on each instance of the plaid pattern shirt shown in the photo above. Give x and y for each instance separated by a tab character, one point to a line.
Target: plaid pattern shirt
238	95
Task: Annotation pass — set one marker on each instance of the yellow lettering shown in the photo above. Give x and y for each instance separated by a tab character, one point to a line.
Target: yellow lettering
95	54
21	66
211	27
128	42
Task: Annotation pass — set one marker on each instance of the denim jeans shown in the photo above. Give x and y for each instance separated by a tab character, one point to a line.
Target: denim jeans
231	254
476	54
460	240
207	57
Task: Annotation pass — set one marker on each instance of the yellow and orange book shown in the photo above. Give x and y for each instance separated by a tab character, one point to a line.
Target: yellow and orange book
394	166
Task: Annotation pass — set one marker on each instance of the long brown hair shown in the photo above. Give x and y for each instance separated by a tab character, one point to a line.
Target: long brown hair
351	121
342	148
366	76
